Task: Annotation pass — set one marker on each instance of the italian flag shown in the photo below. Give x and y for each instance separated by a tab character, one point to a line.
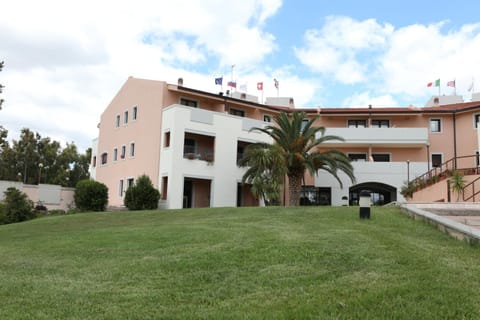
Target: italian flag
436	82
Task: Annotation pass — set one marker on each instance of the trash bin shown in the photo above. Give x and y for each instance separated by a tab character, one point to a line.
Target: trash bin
364	204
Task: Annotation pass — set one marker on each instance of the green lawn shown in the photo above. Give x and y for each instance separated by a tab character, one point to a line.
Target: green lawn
236	263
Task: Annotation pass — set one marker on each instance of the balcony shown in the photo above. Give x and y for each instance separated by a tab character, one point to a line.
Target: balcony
379	137
198	147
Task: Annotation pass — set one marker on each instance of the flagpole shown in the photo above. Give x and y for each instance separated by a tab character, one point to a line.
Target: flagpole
233	66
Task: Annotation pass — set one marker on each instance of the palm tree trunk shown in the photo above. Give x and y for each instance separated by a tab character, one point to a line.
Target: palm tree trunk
295	188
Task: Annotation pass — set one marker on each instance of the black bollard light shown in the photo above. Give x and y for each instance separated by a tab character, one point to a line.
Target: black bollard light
364	204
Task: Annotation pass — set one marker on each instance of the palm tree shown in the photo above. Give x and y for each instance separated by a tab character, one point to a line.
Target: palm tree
297	143
266	171
457	183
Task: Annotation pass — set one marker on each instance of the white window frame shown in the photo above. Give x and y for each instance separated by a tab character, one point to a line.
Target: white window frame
442	159
130	149
125	117
115	154
440	124
475	115
134	113
120	188
117	121
123	152
362	153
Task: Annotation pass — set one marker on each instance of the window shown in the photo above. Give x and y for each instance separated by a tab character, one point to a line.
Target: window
104	158
304	123
476	120
381	157
436	160
356	123
130	182
477	158
134	113
267	118
164	188
357	156
94	161
117	122
124	150
125	117
188	102
166	140
189	146
120	188
435	125
132	149
236	112
115	154
380	123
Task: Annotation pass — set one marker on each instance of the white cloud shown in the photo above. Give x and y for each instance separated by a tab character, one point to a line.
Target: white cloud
336	48
419	54
364	99
64	61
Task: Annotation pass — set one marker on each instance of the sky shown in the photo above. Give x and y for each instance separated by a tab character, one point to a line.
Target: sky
66	60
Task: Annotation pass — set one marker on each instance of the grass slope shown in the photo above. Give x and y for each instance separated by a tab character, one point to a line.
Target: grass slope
230	263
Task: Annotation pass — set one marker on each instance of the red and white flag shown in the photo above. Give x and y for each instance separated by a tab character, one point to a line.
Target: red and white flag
451	83
259	86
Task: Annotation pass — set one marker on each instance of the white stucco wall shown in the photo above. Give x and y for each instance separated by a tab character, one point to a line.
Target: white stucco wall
391	173
223	171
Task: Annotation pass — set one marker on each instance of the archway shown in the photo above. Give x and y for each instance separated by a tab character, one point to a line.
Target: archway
380	193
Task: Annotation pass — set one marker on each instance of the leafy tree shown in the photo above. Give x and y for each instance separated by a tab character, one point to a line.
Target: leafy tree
91	195
297	141
17	206
266	171
33	159
142	195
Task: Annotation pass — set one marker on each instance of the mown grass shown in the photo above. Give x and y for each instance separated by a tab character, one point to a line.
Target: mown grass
236	263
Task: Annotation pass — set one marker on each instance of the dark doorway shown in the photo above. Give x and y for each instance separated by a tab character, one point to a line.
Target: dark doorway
315	196
380	193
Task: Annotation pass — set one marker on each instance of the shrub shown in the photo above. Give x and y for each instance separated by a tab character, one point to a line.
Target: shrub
3	216
56	212
17	206
142	195
91	195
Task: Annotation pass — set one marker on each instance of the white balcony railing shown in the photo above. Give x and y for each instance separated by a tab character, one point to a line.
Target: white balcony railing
409	137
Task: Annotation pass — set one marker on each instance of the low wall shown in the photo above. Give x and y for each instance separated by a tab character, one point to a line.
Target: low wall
51	196
438	192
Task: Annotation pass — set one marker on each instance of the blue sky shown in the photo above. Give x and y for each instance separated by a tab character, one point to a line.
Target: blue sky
64	61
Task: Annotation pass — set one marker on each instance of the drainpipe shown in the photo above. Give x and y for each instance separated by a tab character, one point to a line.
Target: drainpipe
455	139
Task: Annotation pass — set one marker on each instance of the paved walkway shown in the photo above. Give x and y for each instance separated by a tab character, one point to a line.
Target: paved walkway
462	220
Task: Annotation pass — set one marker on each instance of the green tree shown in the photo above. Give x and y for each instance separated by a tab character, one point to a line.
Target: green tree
33	159
457	183
265	172
17	206
142	195
91	195
297	140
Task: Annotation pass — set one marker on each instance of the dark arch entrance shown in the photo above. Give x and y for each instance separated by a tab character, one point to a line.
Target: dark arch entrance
381	193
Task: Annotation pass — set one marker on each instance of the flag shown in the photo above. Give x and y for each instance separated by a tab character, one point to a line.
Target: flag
219	81
471	87
436	83
232	84
243	87
451	83
275	81
260	86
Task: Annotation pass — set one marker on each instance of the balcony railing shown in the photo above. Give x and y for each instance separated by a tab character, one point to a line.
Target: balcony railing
379	136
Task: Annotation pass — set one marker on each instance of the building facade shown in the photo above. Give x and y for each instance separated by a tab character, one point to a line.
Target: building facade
189	142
